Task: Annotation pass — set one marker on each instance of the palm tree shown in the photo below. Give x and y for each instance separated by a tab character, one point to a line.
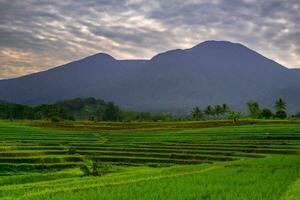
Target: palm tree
280	105
225	109
209	110
218	110
197	113
253	109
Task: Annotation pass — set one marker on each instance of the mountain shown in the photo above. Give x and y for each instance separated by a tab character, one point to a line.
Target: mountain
88	77
211	72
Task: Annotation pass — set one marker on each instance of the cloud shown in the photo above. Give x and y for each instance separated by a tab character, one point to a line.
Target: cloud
50	33
23	62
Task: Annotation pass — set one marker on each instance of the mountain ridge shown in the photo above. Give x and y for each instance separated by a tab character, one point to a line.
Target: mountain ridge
174	81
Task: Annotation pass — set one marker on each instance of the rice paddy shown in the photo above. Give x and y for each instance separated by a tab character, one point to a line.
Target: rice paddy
226	162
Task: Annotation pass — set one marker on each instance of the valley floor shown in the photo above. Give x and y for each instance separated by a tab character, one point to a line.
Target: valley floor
259	161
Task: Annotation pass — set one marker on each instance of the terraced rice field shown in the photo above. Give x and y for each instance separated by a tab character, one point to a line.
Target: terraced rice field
242	162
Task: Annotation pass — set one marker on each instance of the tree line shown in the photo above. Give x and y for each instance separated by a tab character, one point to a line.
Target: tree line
216	111
76	109
98	110
253	108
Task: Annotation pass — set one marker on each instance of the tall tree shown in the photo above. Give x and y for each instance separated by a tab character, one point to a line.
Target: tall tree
209	111
280	105
112	112
253	109
225	109
218	110
197	113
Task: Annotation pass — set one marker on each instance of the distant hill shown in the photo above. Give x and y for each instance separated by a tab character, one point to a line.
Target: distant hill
212	72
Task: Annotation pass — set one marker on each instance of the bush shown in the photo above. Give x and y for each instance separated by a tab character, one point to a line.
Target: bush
71	118
85	169
266	114
234	116
55	119
281	114
100	169
72	150
94	168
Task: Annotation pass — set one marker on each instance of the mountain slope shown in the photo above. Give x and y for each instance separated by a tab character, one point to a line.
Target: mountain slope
90	76
212	72
209	73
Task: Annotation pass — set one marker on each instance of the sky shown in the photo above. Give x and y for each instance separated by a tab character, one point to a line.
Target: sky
36	35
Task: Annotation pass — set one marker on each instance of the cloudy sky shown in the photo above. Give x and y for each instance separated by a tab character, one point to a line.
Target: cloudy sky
39	34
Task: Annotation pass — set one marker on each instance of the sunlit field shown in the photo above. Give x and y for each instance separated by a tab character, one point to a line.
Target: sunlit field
43	160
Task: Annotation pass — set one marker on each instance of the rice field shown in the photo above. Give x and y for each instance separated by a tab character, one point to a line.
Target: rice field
226	162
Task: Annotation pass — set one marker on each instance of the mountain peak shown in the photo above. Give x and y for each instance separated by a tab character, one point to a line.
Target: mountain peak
214	43
101	56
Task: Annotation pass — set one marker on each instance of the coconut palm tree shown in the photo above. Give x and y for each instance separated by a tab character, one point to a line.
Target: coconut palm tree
218	110
225	109
253	109
280	105
197	113
209	111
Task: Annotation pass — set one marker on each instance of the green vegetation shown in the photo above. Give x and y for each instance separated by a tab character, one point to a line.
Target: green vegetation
197	113
254	112
150	160
76	109
253	109
92	109
216	111
280	107
266	113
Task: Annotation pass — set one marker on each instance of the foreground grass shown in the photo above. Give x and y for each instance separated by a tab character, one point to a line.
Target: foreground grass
267	178
258	162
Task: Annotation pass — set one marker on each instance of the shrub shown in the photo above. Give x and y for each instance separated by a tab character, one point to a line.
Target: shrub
94	168
72	150
55	119
234	116
281	114
266	113
86	171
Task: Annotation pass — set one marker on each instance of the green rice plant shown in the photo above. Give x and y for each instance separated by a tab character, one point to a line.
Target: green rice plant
187	160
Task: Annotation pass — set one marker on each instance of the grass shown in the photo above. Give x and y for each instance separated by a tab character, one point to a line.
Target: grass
184	160
242	180
149	126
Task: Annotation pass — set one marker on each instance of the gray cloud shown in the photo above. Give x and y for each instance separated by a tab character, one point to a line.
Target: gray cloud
38	34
